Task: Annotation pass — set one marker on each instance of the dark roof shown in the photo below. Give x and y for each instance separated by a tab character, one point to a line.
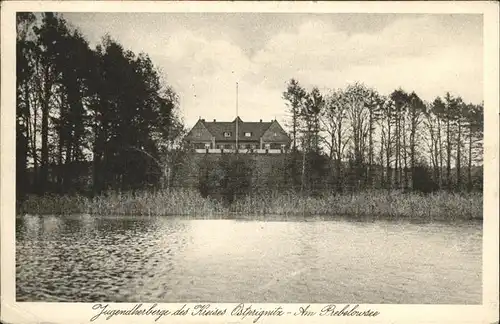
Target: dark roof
217	129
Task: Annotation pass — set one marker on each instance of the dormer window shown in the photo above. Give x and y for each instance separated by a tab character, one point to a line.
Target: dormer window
227	134
248	134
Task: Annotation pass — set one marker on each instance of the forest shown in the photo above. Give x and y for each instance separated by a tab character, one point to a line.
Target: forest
396	141
99	127
77	107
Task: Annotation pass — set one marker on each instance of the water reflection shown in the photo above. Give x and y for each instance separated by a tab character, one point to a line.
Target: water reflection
87	258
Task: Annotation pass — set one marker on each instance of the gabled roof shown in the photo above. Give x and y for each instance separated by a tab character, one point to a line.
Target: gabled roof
217	129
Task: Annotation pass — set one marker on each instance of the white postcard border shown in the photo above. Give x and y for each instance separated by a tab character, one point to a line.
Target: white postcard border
24	312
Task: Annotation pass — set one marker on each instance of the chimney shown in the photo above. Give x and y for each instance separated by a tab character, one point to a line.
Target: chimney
214	120
261	120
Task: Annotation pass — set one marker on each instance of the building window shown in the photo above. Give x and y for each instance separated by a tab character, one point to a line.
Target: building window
268	146
207	145
227	134
248	134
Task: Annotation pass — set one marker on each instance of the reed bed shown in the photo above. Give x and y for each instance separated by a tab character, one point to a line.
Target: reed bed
161	203
369	204
52	204
372	204
144	203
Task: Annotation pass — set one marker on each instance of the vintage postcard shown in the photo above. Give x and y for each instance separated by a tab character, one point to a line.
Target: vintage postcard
247	162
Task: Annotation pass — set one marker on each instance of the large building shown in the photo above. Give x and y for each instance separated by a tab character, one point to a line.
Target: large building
221	137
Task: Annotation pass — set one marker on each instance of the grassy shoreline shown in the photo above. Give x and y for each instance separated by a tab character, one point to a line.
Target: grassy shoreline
440	206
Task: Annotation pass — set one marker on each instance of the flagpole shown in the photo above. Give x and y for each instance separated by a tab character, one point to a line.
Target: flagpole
236	116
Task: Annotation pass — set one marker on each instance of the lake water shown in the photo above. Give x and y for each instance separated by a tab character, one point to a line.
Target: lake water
88	259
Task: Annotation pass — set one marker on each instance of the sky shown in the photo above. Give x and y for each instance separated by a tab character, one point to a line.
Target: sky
203	55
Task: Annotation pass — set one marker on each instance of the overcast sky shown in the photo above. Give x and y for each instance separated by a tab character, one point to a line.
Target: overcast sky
204	55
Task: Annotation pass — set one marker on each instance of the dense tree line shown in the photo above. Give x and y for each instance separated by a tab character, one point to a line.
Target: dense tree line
395	142
103	112
98	119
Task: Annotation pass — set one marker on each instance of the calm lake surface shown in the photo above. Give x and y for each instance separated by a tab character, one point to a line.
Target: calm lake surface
88	259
